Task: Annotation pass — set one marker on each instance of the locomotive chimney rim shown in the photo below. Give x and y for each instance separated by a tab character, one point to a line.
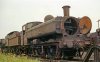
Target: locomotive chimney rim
66	10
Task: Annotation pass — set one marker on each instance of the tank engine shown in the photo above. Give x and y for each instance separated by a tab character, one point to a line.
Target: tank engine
56	37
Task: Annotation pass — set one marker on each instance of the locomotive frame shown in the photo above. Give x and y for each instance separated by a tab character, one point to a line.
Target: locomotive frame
57	38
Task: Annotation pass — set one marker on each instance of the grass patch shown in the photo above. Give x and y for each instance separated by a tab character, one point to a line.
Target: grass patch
14	58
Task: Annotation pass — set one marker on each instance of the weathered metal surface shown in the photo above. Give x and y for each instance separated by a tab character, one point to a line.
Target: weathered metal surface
13	34
2	41
13	42
23	38
66	10
44	28
31	24
85	25
48	18
71	26
68	37
13	39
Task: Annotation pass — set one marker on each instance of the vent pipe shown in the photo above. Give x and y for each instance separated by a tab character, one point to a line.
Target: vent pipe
66	10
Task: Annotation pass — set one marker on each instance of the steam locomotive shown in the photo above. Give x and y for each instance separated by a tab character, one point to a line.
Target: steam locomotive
56	37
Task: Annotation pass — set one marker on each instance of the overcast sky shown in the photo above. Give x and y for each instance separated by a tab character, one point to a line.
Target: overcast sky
15	13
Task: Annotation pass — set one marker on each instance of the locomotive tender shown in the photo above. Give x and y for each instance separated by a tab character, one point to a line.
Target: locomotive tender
56	37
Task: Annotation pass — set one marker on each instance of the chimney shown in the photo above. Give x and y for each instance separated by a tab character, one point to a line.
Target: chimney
66	10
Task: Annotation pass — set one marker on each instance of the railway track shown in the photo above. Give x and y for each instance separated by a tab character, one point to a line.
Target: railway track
47	60
76	59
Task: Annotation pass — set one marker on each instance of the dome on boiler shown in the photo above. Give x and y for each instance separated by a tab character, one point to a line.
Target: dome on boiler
48	17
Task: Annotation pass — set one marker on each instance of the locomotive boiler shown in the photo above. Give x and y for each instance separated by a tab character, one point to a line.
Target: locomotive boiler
56	37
